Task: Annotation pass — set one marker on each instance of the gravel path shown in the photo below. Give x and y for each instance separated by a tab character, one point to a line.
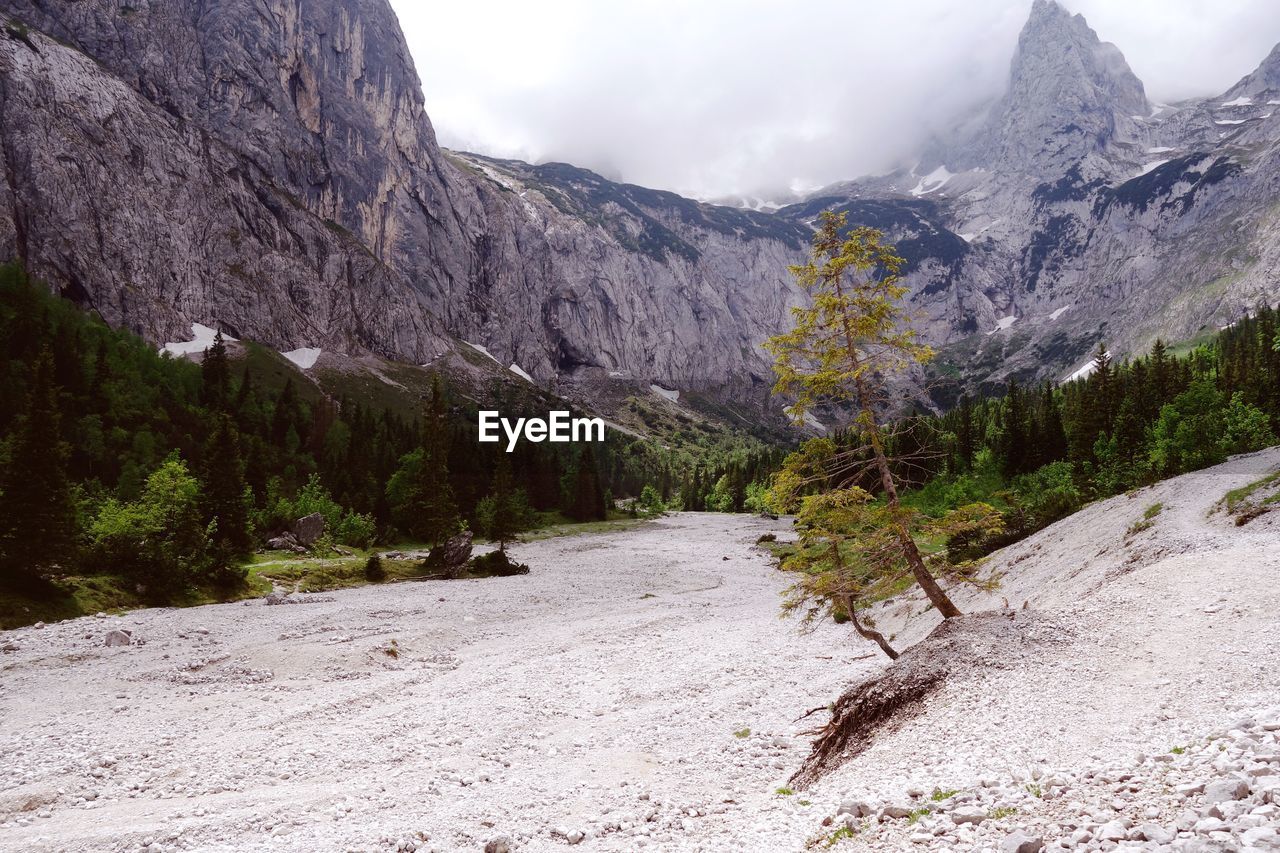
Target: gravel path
599	695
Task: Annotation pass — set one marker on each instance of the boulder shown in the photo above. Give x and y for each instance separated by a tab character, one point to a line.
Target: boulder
118	637
308	529
284	542
457	550
276	597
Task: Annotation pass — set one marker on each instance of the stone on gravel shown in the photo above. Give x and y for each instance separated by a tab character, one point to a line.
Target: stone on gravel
968	814
895	812
501	844
1021	842
457	550
1225	790
118	637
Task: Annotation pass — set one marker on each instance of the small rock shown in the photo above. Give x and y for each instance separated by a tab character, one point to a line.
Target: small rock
968	814
118	637
895	812
1021	842
1113	831
1225	790
501	844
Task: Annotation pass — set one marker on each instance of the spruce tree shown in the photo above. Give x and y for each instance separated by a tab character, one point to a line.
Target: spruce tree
223	489
588	495
845	344
505	525
437	513
215	375
37	517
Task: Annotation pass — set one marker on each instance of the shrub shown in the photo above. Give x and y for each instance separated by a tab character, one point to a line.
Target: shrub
373	569
767	537
497	564
356	529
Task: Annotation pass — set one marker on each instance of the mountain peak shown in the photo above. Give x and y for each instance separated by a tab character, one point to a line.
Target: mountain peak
1263	79
1070	94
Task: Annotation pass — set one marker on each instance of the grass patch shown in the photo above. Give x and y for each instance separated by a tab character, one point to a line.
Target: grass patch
940	794
914	815
841	834
784	792
1034	790
1002	812
742	733
1238	500
1178	750
554	524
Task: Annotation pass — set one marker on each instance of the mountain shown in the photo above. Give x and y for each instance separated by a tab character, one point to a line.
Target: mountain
1087	214
269	168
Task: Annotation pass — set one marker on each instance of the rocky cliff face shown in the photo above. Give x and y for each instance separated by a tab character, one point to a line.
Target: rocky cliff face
268	168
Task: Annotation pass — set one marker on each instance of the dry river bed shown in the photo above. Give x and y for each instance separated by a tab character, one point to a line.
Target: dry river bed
603	700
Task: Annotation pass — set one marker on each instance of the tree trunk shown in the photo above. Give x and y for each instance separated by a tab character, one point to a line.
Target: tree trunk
866	632
910	552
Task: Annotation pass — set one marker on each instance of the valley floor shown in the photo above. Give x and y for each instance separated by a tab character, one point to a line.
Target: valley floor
640	689
608	685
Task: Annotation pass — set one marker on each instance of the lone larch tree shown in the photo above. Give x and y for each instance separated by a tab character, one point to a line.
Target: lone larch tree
846	344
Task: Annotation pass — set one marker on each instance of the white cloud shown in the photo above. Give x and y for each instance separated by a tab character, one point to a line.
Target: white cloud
747	96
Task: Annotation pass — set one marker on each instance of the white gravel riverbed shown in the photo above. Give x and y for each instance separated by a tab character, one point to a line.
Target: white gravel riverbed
600	694
595	702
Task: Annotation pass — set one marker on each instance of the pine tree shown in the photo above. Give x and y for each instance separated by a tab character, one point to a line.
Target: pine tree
37	517
588	495
438	515
215	375
844	344
505	524
223	489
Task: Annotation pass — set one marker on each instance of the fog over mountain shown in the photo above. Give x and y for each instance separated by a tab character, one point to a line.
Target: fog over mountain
720	98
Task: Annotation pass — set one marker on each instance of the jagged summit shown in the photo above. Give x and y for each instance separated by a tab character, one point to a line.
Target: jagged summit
1263	79
1070	95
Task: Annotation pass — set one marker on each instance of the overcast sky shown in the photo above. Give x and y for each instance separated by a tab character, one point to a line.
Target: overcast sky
720	97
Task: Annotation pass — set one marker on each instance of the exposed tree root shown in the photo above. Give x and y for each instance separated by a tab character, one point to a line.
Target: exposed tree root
893	697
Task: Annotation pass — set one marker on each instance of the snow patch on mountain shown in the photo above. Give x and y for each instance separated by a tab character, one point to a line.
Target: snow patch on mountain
305	357
1086	371
932	182
1004	323
202	339
1241	101
673	396
1058	312
518	371
481	349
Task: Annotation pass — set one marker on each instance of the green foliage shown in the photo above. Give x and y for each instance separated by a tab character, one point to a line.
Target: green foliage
497	564
940	794
1002	812
37	517
374	571
742	733
842	834
784	792
357	530
159	540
